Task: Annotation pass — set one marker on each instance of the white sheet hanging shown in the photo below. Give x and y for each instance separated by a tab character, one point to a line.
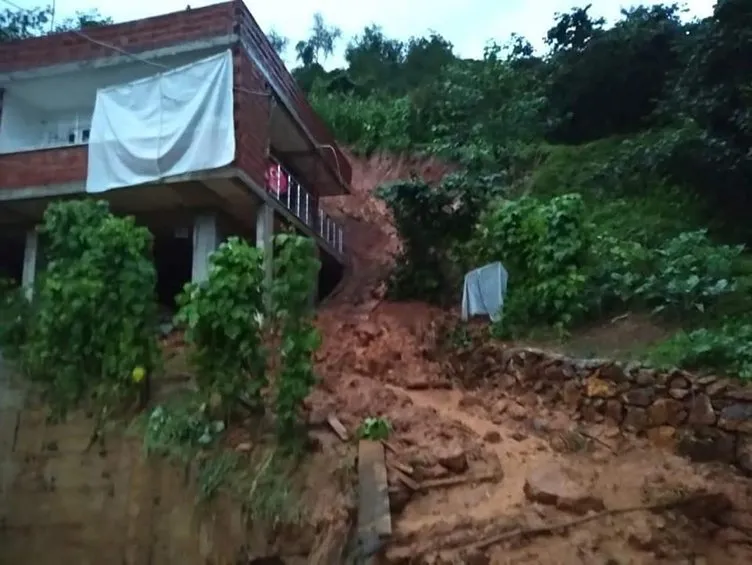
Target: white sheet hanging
484	290
172	123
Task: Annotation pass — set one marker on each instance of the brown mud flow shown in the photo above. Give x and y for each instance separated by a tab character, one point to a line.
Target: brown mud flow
485	465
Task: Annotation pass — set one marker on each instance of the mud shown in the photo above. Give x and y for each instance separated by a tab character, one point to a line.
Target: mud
384	359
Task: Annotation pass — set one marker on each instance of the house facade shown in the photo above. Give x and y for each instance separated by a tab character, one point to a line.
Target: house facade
188	121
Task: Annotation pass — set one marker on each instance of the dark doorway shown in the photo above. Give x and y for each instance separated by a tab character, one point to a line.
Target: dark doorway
173	257
13	245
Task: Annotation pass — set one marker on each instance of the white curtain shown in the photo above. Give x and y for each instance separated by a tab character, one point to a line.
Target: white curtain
175	122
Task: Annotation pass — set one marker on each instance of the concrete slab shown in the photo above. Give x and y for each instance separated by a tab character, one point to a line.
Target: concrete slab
374	517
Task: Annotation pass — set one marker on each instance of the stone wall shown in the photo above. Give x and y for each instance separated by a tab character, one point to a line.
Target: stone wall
707	418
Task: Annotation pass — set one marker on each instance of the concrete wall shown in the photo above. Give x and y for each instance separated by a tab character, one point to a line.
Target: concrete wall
62	504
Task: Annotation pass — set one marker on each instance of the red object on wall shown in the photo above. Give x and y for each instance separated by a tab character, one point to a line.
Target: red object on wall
276	179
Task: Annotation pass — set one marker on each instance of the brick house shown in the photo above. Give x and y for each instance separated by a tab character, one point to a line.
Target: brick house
275	158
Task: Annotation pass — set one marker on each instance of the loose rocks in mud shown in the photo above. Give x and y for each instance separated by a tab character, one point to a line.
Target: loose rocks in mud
560	486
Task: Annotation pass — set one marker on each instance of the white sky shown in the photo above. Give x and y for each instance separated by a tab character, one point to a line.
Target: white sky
468	28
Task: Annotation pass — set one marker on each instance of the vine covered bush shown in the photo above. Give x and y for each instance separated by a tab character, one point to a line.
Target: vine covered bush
229	322
94	320
544	245
223	321
295	271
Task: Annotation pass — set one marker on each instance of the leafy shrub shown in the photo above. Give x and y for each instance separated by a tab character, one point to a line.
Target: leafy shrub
95	314
728	348
432	221
228	321
223	320
689	273
366	124
544	245
295	270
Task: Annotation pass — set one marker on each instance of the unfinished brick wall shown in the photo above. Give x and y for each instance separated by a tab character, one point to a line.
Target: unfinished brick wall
39	168
251	34
141	35
252	118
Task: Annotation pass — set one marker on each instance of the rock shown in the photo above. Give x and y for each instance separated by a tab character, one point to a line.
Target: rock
645	377
736	418
639	397
636	419
717	387
517	412
678	393
743	394
614	411
244	447
540	425
559	486
596	387
475	557
708	380
571	393
455	461
519	436
707	445
701	411
666	411
613	372
662	436
744	455
492	437
366	333
679	382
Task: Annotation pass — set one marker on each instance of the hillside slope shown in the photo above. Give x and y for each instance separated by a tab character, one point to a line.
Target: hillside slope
385	359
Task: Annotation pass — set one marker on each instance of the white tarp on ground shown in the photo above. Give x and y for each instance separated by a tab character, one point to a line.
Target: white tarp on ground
484	291
175	122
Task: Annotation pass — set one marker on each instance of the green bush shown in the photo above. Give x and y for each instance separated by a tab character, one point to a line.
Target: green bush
727	348
95	314
223	318
544	245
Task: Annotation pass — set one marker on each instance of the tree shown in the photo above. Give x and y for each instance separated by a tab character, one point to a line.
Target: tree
320	44
23	24
278	42
608	82
373	58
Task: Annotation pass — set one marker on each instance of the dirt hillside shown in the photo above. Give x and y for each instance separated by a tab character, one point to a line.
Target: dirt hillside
500	469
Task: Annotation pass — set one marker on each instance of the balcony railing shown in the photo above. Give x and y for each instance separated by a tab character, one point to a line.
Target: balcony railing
287	190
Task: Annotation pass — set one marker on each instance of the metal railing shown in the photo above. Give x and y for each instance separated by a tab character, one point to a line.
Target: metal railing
287	190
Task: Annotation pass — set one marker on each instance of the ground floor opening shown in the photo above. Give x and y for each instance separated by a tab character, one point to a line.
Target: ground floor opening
12	246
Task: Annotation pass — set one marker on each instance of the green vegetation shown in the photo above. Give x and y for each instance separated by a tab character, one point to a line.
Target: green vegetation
609	173
89	339
374	429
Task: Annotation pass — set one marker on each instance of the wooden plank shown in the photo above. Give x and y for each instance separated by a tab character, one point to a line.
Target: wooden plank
337	427
405	479
404	467
374	517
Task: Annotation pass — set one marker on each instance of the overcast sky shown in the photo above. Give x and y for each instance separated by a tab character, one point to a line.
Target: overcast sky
468	28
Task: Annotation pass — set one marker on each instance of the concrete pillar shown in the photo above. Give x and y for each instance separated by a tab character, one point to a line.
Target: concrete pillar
30	263
205	242
264	241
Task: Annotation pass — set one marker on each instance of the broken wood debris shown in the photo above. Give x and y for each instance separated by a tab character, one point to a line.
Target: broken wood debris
337	427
